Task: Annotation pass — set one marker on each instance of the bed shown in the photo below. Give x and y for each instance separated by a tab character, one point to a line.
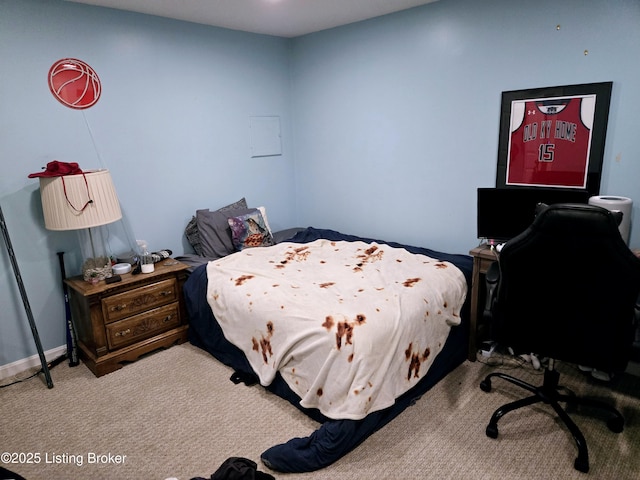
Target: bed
253	312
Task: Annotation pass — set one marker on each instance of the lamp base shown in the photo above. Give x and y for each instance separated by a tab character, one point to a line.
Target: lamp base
96	269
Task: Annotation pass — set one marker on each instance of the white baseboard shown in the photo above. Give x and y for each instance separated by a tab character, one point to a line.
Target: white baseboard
19	366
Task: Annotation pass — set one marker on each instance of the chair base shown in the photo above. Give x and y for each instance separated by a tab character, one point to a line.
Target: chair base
548	393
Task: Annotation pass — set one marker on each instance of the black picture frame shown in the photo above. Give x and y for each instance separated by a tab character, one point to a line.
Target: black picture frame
526	153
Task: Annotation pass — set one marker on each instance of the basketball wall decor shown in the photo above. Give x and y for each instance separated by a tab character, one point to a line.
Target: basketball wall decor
74	83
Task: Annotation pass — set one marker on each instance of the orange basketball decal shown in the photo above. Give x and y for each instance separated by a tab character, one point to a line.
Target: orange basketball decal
74	83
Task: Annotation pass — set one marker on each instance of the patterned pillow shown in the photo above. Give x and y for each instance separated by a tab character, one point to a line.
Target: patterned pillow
249	231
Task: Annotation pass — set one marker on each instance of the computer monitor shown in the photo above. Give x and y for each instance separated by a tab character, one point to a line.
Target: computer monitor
504	213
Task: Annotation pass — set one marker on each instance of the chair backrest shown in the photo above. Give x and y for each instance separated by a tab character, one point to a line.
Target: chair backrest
568	287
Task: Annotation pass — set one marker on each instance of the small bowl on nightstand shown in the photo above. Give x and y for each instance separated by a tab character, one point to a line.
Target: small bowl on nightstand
120	268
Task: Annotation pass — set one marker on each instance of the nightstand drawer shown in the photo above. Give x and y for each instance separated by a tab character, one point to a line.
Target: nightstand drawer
142	326
125	304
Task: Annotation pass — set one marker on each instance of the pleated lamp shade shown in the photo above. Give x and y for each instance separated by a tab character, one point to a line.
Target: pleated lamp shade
73	202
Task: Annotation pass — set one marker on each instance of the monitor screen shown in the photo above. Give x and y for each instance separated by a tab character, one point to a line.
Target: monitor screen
503	213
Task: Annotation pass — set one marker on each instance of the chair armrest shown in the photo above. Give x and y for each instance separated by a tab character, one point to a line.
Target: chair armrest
492	279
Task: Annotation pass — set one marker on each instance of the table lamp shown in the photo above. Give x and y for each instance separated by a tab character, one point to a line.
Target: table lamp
78	202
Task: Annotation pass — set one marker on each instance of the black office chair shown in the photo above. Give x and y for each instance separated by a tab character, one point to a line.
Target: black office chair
567	289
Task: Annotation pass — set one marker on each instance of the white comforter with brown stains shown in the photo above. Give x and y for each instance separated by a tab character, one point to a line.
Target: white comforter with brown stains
350	326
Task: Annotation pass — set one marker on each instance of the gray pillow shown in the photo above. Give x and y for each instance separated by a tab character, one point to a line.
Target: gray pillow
242	203
193	234
215	233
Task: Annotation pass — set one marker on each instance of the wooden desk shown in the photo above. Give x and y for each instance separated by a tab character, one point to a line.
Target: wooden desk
483	257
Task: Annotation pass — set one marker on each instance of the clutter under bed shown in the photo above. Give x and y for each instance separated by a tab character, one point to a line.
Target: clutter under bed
349	330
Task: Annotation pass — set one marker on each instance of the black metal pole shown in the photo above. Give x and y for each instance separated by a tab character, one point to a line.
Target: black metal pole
25	300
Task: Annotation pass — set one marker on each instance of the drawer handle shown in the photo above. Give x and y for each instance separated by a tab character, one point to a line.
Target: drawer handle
123	332
167	318
166	293
117	308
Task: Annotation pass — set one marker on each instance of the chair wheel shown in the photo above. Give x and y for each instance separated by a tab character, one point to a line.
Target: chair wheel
492	431
616	424
581	465
485	385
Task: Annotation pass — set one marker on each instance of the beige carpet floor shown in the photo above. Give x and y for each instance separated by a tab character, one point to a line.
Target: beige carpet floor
175	414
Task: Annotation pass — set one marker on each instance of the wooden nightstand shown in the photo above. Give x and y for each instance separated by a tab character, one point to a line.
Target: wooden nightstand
118	322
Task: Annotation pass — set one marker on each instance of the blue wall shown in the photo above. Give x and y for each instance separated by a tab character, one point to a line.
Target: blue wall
388	125
172	126
396	118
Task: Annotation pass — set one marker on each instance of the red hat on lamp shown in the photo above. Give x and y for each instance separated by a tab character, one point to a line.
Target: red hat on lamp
58	169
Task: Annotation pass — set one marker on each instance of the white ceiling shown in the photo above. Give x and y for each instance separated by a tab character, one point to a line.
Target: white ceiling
282	18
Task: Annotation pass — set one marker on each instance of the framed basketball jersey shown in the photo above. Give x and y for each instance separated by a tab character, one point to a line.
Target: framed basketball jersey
549	142
553	137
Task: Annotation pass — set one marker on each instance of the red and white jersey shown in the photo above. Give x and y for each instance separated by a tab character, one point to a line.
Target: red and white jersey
550	141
